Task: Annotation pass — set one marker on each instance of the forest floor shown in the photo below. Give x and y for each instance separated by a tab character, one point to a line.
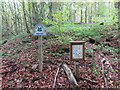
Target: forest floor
18	57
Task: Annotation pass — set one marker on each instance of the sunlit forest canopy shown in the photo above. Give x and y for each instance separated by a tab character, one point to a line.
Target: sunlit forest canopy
18	16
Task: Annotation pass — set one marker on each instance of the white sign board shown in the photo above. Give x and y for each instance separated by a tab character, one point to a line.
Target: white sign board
77	51
39	30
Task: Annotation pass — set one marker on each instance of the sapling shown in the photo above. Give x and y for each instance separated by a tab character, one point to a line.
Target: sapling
60	19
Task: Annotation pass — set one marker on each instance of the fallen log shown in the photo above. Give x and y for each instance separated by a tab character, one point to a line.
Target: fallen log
70	76
72	79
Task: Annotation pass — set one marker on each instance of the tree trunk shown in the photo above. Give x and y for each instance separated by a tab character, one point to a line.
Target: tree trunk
95	10
81	15
86	14
15	18
109	7
33	14
70	13
23	3
2	17
119	15
30	19
12	26
75	16
50	11
19	24
42	10
90	20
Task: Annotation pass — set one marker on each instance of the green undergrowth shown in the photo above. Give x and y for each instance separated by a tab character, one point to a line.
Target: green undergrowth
74	32
68	32
78	31
13	37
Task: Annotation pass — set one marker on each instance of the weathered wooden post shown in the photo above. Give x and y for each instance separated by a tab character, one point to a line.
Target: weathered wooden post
39	31
76	54
40	56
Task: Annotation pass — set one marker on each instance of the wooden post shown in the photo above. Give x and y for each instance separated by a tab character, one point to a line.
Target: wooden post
76	66
39	31
40	53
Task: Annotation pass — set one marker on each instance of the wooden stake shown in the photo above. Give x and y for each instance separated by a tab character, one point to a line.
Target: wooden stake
40	53
56	75
77	69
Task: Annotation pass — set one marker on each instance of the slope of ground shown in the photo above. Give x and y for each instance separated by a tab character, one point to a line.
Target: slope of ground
18	57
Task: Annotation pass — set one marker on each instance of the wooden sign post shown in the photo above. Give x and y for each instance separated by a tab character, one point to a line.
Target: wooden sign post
39	31
40	56
77	54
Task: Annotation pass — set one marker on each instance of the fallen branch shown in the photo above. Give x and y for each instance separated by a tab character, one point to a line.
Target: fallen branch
34	66
33	69
109	66
103	73
70	75
56	76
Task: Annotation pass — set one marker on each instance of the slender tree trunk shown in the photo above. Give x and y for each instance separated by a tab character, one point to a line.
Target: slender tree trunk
2	17
35	13
5	16
29	9
95	10
98	3
74	15
15	18
91	15
18	18
21	20
50	10
38	15
42	11
86	15
119	15
23	3
12	21
81	15
70	13
109	7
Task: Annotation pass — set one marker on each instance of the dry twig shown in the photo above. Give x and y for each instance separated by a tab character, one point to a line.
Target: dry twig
56	75
103	72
